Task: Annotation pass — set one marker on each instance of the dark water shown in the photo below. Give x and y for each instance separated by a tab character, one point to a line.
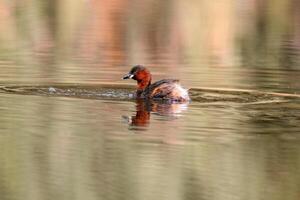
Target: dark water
70	129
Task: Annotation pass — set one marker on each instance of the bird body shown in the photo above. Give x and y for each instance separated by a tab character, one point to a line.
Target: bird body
166	89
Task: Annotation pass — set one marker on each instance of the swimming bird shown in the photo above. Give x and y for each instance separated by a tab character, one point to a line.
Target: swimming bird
166	89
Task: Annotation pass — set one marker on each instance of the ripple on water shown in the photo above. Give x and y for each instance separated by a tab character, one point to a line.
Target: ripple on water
125	92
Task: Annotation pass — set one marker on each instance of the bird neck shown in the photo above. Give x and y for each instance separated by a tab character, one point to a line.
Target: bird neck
144	83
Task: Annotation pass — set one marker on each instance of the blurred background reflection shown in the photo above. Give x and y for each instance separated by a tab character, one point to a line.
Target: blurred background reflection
71	148
241	44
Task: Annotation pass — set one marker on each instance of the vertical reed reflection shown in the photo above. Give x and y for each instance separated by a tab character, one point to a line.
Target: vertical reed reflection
90	41
72	151
59	148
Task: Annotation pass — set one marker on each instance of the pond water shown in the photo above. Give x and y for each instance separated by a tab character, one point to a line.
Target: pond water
71	129
92	143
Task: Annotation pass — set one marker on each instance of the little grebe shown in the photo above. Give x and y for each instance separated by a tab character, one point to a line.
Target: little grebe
167	89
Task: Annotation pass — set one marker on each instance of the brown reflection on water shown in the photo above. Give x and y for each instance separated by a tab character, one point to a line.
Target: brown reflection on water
67	148
142	116
144	108
245	44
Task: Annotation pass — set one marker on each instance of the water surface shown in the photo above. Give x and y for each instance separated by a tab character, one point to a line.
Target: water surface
73	148
71	129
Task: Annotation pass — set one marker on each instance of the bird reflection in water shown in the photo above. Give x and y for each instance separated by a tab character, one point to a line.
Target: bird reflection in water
144	108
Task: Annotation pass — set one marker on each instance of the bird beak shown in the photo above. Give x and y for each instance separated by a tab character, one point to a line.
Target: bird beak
128	76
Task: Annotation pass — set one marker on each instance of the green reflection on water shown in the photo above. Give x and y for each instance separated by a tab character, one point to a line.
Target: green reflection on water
245	44
67	148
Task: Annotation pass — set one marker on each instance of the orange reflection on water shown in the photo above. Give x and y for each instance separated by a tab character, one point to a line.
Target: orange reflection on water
144	108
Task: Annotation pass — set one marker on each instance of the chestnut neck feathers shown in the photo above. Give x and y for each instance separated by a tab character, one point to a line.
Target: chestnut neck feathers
142	76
